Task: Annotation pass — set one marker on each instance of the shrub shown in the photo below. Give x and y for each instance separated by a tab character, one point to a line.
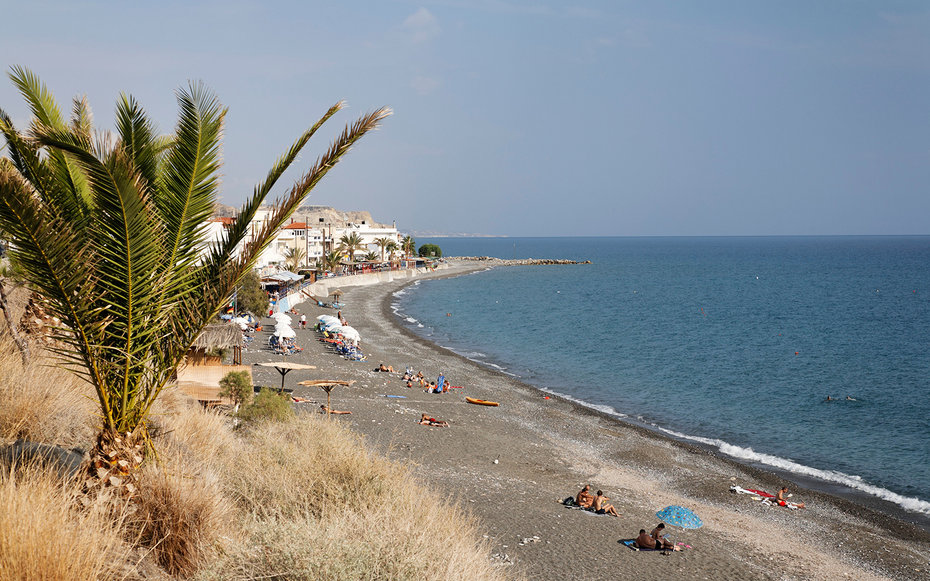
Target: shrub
237	386
179	518
268	405
430	250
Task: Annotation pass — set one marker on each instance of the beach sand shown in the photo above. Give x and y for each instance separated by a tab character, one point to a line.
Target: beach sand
546	449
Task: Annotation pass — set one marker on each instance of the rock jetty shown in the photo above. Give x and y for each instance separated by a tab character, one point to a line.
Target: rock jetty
517	261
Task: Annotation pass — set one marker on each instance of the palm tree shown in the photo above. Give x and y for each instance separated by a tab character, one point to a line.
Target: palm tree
383	244
350	243
372	256
391	248
331	260
295	258
110	232
409	245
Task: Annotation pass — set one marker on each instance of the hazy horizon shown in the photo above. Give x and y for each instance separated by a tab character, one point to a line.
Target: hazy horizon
720	118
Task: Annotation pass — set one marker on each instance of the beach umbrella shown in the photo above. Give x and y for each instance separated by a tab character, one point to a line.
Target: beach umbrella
284	367
284	332
327	319
337	294
282	317
680	517
350	333
326	385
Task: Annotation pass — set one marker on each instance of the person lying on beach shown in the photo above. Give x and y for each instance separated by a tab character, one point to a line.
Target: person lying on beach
584	498
601	506
326	410
428	421
389	368
409	383
644	541
658	535
781	498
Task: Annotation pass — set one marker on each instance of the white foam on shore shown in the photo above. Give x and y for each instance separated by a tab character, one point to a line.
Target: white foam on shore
606	409
912	504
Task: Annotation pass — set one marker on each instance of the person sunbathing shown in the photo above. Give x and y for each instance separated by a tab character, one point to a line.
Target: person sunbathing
658	535
389	368
326	410
644	541
781	498
601	506
428	421
584	498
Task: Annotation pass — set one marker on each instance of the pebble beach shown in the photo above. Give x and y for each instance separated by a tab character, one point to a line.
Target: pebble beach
510	466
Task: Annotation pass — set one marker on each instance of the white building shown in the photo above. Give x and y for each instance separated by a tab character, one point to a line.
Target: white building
311	240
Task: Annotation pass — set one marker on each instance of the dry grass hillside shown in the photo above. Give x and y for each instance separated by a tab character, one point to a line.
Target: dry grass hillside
300	499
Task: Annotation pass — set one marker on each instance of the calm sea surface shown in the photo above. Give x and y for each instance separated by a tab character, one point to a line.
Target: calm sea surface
731	342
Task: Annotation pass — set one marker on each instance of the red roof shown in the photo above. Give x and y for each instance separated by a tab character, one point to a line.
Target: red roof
224	220
296	226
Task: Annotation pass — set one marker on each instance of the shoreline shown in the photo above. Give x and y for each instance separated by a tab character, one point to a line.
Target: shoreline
812	483
548	448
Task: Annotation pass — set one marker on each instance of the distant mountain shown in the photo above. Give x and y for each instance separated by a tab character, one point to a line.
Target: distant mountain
312	215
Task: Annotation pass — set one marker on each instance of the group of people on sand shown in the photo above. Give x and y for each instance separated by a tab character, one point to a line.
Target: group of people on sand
656	540
409	378
596	503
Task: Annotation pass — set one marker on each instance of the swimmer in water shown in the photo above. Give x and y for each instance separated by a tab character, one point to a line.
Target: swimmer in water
850	398
828	398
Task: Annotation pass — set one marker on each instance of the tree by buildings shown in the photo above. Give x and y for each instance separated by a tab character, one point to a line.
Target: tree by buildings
250	296
430	250
408	245
110	234
383	244
350	243
237	387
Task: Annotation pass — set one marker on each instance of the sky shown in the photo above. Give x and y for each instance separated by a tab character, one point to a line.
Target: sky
534	118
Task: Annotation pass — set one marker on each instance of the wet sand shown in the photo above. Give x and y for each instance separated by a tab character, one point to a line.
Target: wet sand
546	449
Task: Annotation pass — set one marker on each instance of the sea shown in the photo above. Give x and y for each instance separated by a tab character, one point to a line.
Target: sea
731	343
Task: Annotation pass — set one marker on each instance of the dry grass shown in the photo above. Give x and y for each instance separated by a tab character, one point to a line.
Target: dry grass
316	504
41	402
46	534
303	499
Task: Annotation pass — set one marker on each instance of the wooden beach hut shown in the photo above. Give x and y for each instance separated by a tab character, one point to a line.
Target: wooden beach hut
200	375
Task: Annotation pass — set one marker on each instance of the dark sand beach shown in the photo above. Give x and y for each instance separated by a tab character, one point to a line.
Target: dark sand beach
510	465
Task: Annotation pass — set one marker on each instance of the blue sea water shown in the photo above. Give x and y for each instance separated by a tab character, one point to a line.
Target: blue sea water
730	342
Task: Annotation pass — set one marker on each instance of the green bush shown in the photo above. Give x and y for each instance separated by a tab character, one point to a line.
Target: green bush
430	250
237	386
268	405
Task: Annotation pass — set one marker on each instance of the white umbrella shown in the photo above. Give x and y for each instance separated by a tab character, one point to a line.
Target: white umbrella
284	332
350	333
282	317
326	319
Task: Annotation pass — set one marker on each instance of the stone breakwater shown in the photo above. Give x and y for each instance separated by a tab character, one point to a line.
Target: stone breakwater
517	261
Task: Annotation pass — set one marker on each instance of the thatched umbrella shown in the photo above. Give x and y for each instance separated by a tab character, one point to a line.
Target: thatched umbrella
337	294
284	367
326	385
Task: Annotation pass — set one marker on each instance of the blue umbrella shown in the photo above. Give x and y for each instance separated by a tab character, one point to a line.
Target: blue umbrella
680	517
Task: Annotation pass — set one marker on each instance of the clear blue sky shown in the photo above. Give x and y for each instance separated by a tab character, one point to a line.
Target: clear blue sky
534	117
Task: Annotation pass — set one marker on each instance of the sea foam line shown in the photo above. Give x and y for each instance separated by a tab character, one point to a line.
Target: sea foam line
909	503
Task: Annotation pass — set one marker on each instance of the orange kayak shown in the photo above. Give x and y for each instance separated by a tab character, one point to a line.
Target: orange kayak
477	401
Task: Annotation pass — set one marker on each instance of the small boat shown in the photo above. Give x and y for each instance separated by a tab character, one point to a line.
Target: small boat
477	401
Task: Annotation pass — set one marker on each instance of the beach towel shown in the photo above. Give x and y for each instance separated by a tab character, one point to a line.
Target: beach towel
440	381
764	497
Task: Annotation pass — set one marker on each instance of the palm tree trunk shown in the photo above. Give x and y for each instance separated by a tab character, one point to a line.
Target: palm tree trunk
115	463
14	332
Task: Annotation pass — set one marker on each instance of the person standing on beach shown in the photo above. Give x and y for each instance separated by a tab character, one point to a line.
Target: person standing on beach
303	321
